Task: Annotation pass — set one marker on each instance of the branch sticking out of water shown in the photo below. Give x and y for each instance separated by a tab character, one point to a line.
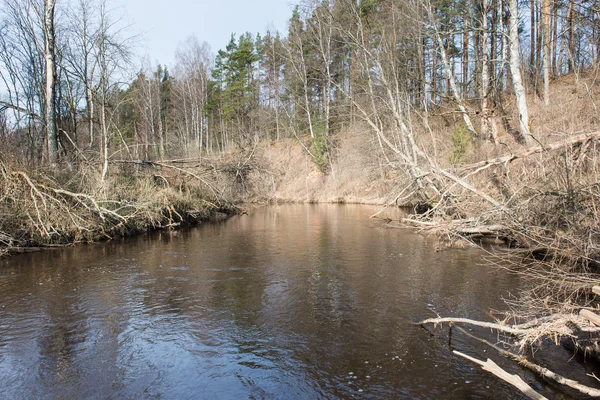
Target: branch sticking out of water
514	380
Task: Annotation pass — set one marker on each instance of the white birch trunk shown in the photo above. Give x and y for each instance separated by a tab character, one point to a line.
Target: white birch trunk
485	77
515	70
50	54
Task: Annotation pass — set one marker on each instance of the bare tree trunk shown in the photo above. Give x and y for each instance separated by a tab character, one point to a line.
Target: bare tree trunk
322	30
90	107
50	55
554	37
493	57
105	137
506	45
539	43
516	73
299	66
103	90
485	78
465	61
532	36
546	37
161	133
454	89
434	72
571	28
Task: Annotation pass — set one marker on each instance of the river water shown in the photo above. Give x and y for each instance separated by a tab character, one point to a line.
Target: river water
290	302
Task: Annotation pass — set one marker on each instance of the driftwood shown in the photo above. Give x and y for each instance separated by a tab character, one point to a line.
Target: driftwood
557	324
419	223
514	380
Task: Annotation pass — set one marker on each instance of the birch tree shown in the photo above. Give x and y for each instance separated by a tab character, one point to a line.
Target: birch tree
453	89
515	70
50	57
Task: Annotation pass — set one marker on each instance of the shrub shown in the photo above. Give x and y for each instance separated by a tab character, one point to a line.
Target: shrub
460	143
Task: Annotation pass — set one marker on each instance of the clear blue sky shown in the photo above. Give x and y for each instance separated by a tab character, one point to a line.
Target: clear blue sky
165	24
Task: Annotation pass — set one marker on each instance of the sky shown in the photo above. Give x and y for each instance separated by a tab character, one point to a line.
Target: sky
166	24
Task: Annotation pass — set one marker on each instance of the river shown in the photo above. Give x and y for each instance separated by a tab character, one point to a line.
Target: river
290	302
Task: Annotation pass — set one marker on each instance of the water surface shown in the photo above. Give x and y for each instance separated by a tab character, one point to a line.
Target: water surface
291	302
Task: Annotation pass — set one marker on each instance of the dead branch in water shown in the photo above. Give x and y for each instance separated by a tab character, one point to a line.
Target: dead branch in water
561	325
545	372
515	330
514	380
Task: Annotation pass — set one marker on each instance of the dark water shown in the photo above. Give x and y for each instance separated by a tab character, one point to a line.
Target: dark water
288	302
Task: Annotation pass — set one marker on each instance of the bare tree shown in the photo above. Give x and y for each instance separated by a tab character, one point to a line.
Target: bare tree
50	57
515	70
485	76
23	69
453	89
546	39
321	29
295	57
191	88
83	31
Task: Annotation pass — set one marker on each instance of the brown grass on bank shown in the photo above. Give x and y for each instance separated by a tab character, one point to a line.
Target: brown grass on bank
48	208
355	172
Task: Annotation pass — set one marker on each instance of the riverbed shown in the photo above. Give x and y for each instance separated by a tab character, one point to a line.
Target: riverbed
290	302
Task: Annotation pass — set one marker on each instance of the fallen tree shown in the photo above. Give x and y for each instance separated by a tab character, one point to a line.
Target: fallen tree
542	202
42	209
551	325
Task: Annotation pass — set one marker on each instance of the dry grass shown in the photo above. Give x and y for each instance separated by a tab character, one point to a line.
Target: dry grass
355	173
42	208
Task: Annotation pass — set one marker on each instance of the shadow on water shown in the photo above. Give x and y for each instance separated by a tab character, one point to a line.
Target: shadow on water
297	301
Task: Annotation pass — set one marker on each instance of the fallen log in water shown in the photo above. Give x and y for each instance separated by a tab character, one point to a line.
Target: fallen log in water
558	324
514	380
545	372
526	330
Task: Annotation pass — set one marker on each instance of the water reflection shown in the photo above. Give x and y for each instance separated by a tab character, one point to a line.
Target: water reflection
288	302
